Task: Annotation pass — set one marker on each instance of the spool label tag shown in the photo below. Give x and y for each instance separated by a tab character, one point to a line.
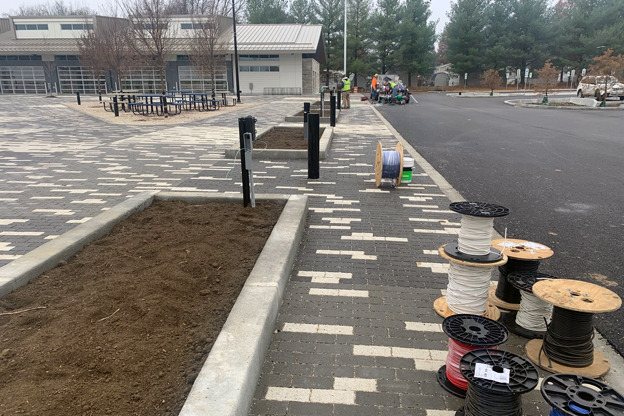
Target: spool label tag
486	372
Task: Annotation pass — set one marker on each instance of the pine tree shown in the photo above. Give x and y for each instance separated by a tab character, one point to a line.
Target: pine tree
302	12
385	24
417	39
497	39
330	15
358	42
267	11
466	35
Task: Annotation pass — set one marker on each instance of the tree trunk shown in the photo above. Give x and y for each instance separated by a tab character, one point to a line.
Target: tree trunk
409	78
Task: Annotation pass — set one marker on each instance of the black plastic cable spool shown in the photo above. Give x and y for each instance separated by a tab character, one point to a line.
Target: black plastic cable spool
479	209
523	376
474	330
526	280
452	249
567	392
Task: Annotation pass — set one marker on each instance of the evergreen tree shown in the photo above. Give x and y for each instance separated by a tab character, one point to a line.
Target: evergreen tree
330	14
385	24
302	11
358	42
530	33
267	11
417	39
466	35
497	39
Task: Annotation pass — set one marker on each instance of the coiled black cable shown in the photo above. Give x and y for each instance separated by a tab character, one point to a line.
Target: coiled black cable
483	402
569	338
505	290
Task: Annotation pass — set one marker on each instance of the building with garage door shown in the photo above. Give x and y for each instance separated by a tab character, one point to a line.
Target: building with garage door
41	53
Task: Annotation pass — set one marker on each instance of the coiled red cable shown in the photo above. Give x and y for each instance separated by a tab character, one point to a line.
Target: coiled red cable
455	353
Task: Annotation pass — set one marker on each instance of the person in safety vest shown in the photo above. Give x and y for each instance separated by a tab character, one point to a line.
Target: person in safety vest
374	92
393	88
346	91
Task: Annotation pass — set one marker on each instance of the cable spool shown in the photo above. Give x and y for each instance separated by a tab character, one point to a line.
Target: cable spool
466	333
472	259
534	313
574	395
568	343
389	164
496	398
524	256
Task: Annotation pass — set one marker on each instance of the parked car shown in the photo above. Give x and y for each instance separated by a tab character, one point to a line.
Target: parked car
593	86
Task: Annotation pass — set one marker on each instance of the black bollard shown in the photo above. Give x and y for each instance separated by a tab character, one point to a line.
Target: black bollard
100	95
306	111
245	125
164	102
339	97
322	100
78	97
332	111
313	146
115	106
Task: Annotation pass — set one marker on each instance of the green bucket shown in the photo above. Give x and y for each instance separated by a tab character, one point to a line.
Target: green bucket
408	166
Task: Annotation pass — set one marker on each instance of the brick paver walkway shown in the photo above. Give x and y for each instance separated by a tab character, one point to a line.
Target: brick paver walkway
356	333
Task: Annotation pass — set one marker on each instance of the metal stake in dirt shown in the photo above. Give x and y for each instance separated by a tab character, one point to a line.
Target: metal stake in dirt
115	106
78	97
306	111
246	135
313	146
332	111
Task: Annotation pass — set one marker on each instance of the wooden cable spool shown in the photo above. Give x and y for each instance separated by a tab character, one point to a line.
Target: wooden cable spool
379	164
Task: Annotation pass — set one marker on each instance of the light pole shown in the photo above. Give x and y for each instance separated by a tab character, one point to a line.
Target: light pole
345	37
235	52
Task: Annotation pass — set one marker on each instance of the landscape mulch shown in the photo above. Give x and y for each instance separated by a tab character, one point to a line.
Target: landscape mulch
284	138
124	326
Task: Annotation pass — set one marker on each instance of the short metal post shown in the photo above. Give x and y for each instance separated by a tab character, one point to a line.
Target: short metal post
313	146
115	106
100	95
322	100
164	101
332	111
78	97
245	125
339	99
306	111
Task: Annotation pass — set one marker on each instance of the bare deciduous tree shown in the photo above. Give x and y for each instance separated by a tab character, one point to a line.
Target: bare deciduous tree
155	38
208	50
549	78
118	51
491	80
606	65
58	8
92	55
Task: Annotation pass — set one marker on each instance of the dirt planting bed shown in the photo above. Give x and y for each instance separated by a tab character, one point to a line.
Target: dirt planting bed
284	138
325	112
124	326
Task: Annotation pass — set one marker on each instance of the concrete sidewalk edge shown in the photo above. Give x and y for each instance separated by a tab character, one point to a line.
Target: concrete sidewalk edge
227	381
615	376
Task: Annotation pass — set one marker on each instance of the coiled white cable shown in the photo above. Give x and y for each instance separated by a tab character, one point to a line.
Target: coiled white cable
532	312
467	289
475	235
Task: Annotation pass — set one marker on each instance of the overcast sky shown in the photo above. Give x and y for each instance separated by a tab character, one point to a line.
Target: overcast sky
438	7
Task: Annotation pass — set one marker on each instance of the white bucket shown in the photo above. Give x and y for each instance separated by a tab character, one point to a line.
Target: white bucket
408	162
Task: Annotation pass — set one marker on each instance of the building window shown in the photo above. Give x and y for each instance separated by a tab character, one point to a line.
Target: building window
146	80
245	68
22	80
32	27
20	57
194	80
149	26
76	26
66	57
259	57
74	79
183	58
196	26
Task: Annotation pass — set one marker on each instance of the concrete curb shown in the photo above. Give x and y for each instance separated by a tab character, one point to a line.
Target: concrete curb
269	154
615	376
227	382
20	271
580	101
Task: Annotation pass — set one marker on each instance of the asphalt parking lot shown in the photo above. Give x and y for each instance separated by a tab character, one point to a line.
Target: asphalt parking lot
560	172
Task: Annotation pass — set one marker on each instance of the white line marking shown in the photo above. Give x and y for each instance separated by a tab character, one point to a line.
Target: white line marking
318	329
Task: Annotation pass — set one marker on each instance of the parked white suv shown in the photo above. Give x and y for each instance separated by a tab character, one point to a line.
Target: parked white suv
593	86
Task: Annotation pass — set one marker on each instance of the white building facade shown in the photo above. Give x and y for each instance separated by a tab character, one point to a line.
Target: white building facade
41	53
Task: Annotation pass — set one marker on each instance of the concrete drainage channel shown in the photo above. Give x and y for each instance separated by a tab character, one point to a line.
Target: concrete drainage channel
226	383
582	103
325	145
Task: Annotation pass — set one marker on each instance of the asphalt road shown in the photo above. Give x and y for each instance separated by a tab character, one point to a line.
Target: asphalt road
560	172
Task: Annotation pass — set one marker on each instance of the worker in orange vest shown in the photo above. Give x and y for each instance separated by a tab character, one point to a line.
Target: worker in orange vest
374	91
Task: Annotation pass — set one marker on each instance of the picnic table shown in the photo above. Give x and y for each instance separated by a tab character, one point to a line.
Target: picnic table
156	104
200	101
123	99
224	100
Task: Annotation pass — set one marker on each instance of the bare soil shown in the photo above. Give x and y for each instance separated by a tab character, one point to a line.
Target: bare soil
284	138
326	112
129	321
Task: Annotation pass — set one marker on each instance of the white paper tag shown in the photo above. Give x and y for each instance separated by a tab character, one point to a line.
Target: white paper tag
534	246
487	372
508	244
